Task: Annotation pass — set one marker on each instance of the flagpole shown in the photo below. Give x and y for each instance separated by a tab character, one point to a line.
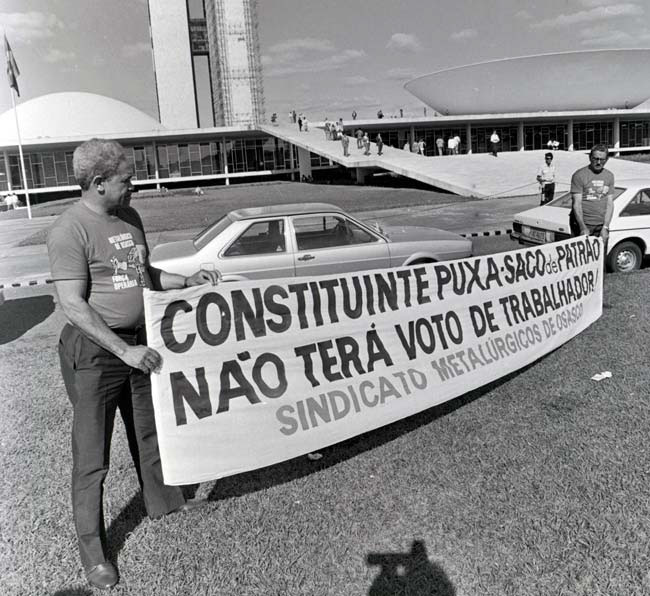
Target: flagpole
22	159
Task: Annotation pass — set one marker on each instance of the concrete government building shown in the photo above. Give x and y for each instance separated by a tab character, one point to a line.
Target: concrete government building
211	127
206	62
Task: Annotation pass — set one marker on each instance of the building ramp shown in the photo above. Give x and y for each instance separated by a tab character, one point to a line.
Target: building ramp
479	175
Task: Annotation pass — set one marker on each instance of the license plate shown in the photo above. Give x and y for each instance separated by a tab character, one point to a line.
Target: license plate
533	234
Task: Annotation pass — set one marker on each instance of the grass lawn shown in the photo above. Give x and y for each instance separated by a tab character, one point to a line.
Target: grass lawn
534	485
180	210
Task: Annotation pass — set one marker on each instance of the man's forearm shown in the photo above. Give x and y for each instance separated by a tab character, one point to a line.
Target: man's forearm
577	211
608	212
163	280
86	319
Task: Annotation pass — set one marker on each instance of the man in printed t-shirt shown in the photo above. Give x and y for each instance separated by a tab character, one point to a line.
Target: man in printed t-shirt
99	262
592	194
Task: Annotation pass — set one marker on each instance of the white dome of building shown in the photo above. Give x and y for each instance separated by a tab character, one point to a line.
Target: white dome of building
585	80
73	114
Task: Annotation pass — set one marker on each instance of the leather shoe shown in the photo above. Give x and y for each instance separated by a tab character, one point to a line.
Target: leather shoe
191	505
102	576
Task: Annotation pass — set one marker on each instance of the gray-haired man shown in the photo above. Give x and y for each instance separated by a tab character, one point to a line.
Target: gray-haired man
99	264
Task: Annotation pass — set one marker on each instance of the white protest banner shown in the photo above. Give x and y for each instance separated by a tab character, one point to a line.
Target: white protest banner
258	372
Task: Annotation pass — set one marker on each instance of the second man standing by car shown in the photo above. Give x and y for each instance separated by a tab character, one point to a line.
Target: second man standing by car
592	194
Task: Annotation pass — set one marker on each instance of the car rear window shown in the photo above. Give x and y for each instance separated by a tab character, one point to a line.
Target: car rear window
214	229
565	199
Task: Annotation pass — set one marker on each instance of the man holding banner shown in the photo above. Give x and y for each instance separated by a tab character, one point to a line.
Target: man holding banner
592	194
99	262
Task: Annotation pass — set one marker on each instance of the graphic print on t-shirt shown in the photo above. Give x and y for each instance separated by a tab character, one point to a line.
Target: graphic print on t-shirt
125	262
596	190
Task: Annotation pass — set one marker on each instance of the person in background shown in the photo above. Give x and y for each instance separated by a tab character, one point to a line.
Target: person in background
407	146
494	143
99	260
450	145
440	145
12	201
421	146
456	145
366	143
345	142
354	114
359	135
546	179
380	144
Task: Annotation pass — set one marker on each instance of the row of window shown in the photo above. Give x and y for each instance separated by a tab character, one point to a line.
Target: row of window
635	133
175	160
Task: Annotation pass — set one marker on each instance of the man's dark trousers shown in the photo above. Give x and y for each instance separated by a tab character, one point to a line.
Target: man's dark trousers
98	383
548	192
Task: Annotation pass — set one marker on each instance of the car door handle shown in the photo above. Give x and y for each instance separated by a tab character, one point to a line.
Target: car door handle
306	258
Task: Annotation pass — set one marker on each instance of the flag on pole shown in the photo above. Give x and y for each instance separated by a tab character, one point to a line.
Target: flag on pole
12	68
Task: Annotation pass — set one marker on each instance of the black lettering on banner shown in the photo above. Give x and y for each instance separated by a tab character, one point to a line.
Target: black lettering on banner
299	290
349	353
316	306
482	318
443	277
508	265
352	312
329	285
243	310
475	276
275	308
425	333
421	285
404	275
408	343
183	391
305	352
241	387
328	362
274	361
386	291
207	335
167	327
493	273
376	350
561	255
370	295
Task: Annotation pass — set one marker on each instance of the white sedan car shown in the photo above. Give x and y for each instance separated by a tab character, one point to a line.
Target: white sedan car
629	230
304	240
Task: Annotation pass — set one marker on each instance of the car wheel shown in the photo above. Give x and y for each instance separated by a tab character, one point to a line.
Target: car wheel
624	257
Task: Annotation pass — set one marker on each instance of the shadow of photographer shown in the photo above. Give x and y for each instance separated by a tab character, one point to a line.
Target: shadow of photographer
409	573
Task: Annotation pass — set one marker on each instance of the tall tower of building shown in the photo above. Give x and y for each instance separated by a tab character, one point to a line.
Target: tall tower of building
207	62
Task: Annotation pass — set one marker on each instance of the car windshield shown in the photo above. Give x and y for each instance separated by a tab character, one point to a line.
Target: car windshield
213	230
565	199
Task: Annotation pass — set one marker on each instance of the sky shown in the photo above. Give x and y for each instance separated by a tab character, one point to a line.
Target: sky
323	58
